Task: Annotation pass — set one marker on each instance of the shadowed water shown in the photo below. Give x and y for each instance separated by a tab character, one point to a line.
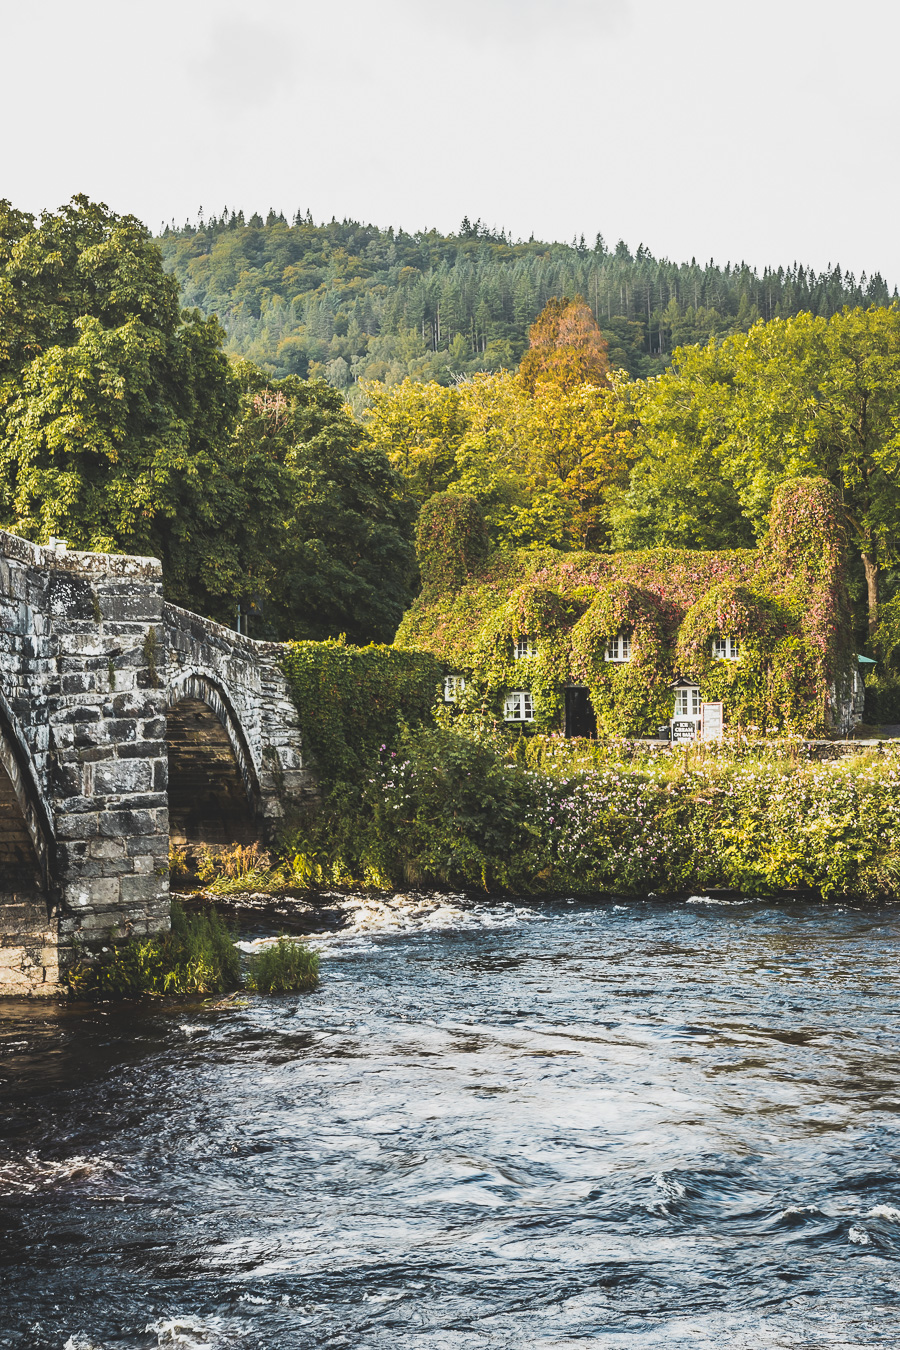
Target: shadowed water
613	1125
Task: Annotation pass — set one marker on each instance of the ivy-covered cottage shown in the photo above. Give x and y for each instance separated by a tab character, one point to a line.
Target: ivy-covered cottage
629	643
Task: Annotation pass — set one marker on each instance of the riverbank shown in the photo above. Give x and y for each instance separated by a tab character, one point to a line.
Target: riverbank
449	811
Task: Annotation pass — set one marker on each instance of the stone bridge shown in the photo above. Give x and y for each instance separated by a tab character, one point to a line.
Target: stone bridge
124	722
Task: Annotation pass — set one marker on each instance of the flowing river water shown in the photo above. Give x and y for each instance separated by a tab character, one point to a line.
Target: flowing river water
621	1124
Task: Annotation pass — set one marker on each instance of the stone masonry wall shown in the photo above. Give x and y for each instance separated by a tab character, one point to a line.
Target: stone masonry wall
77	638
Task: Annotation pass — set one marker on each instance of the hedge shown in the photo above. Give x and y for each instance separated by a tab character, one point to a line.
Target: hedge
350	700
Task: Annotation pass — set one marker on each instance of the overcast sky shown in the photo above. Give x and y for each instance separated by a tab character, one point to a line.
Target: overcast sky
714	128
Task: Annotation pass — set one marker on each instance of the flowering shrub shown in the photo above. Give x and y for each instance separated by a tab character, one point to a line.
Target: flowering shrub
447	809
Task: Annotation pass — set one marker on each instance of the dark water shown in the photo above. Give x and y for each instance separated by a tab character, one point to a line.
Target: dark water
648	1125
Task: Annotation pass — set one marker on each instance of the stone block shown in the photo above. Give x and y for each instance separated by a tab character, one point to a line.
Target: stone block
155	844
115	824
139	604
79	713
90	869
120	776
107	848
79	825
134	704
143	889
78	684
147	801
93	893
120	729
141	749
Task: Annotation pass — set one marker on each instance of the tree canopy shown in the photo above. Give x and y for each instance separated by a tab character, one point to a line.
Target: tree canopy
124	427
565	348
540	451
727	424
350	301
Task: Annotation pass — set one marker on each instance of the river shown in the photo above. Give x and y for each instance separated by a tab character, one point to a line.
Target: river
621	1124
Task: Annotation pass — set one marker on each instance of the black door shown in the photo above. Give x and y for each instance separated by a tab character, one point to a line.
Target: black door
580	717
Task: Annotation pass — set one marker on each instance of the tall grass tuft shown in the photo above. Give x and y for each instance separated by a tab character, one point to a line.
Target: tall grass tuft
284	968
197	956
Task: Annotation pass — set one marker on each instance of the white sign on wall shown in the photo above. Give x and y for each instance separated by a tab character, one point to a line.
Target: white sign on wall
711	721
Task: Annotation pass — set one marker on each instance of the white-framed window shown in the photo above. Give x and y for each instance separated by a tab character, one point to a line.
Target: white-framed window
523	647
519	706
726	648
687	702
453	687
618	648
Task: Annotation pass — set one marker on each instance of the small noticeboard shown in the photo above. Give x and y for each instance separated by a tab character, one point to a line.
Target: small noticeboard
711	721
684	731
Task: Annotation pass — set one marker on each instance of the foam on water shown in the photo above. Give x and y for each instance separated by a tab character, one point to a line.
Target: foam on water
884	1212
30	1173
373	916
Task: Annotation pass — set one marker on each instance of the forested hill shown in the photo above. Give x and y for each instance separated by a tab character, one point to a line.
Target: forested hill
351	301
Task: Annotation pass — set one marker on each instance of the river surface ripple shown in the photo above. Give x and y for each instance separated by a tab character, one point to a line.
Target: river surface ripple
622	1125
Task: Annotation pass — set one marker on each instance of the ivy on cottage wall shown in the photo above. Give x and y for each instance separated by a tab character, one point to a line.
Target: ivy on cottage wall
530	612
773	685
785	604
629	697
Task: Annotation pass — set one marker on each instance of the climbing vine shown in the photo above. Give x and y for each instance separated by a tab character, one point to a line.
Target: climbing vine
784	604
451	540
350	700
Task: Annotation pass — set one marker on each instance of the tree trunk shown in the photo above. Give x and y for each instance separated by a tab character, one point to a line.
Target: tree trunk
871	569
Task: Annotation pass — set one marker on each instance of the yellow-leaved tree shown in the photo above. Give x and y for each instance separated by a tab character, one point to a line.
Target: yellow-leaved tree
542	449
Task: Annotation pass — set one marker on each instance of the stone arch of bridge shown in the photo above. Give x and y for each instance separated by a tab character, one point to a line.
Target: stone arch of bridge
214	795
26	816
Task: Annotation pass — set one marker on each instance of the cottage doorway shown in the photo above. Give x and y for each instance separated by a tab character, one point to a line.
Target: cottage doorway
581	720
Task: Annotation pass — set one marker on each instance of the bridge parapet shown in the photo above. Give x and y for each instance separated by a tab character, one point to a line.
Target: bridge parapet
242	682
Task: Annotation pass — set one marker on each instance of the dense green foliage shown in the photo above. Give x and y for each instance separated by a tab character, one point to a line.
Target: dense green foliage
326	523
114	407
351	301
549	816
352	699
784	602
728	423
286	967
451	541
197	956
883	699
125	428
543	451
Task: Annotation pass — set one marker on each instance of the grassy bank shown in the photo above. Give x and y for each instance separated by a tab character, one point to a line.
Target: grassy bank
449	808
197	956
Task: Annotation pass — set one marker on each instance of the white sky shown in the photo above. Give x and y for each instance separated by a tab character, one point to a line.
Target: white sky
763	131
